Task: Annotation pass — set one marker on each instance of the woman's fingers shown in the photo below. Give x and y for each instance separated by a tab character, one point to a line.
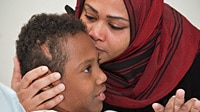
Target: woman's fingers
50	97
43	82
158	107
50	103
196	106
168	108
177	104
186	107
30	88
32	75
16	77
179	99
37	97
47	99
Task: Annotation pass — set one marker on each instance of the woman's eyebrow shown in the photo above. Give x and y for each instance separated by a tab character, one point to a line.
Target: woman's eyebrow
109	16
91	8
118	17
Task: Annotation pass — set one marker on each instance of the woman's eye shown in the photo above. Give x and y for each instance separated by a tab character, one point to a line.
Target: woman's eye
115	27
87	69
90	18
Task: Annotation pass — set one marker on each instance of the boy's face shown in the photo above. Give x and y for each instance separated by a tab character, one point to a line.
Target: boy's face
83	78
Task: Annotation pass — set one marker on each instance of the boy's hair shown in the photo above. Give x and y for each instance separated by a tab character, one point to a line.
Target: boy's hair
51	31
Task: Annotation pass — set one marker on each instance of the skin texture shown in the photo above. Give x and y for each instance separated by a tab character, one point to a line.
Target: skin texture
83	78
109	29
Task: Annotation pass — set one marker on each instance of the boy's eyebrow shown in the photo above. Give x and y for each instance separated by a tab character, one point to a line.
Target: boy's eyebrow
94	10
112	17
85	62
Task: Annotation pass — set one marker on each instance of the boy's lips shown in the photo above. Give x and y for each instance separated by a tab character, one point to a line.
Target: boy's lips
101	96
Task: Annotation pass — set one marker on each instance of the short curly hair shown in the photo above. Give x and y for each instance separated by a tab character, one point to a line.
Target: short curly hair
51	30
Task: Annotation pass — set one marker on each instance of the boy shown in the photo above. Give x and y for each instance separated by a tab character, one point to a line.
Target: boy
62	44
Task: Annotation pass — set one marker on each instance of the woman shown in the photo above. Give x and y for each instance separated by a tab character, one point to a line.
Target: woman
142	46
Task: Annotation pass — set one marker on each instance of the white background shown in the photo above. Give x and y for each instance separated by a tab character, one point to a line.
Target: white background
14	13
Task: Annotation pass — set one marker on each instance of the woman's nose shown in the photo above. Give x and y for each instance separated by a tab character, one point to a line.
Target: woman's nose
97	32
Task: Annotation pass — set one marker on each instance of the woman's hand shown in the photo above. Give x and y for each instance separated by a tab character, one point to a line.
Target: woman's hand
176	104
29	88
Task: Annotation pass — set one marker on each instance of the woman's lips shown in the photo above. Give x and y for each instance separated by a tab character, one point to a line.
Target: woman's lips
99	50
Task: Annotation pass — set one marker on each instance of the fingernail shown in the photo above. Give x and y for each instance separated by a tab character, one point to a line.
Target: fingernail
198	102
195	99
61	97
61	87
57	75
44	68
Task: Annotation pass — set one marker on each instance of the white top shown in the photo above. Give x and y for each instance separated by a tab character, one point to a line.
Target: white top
8	100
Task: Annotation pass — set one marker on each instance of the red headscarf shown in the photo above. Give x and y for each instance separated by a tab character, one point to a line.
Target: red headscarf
162	49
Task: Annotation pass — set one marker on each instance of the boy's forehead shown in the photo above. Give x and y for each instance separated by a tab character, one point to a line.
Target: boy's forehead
80	51
81	38
80	43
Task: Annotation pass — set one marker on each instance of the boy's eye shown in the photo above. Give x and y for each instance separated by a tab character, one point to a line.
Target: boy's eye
87	70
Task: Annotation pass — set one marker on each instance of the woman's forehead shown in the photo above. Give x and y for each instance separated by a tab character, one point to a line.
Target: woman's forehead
108	8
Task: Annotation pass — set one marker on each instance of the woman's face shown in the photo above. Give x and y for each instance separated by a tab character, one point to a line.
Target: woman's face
83	78
108	25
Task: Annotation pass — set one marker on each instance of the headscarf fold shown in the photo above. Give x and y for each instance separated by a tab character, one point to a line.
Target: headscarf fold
163	47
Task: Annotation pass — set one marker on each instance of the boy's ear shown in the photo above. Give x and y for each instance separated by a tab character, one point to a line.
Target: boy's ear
69	10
